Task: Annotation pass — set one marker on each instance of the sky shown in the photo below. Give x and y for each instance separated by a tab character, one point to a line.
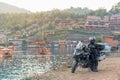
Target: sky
45	5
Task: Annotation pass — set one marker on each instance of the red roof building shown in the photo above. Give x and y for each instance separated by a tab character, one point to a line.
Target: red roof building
95	23
115	22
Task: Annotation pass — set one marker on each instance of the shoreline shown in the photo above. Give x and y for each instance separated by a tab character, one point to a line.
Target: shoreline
109	68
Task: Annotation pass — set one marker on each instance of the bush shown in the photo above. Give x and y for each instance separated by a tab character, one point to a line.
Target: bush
98	39
26	79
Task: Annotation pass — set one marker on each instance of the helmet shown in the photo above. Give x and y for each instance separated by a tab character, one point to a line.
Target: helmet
92	39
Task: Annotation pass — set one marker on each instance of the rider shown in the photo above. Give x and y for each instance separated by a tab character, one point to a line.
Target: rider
93	54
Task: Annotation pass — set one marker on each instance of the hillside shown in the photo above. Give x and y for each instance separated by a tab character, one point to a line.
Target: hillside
6	8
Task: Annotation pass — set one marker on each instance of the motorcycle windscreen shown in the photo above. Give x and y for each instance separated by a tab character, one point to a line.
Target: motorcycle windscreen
77	52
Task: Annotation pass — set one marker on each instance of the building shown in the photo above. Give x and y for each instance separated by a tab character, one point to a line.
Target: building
2	38
78	37
16	42
116	32
69	24
115	22
49	32
95	23
62	43
106	19
111	41
117	37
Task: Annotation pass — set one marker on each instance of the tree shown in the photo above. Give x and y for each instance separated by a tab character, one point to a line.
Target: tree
99	12
115	9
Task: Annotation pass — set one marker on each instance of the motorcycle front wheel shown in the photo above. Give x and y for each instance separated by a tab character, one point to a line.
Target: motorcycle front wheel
74	66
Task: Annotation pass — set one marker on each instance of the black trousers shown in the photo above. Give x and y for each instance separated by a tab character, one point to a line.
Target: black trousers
93	58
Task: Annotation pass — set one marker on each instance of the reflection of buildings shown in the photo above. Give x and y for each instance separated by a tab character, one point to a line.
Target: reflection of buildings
42	49
6	52
115	22
55	44
62	43
45	53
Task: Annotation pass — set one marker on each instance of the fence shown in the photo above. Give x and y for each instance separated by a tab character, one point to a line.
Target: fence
115	54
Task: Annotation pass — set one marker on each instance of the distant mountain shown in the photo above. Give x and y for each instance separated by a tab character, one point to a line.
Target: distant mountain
6	8
78	10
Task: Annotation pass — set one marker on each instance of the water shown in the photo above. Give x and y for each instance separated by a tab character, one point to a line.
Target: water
27	63
22	66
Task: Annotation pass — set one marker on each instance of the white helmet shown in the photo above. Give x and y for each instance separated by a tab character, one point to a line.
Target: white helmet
92	38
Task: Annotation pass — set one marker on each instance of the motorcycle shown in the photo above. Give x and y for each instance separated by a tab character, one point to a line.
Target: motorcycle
82	57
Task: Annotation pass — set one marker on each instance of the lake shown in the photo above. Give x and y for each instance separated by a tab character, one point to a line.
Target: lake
27	63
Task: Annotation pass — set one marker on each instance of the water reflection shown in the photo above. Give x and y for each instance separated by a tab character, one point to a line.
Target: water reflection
1	60
30	62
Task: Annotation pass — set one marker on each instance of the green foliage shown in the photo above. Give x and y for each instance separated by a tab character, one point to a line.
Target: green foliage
27	79
17	22
115	9
78	10
98	39
99	12
46	20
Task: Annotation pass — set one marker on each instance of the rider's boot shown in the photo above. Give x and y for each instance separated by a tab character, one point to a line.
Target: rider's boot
95	68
